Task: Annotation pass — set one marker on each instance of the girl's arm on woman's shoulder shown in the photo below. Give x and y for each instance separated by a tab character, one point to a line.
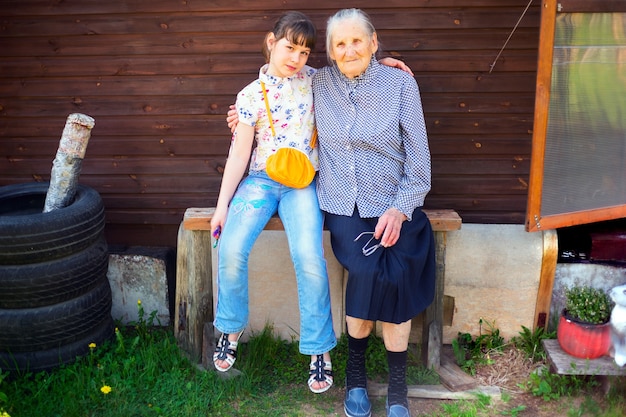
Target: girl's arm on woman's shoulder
395	63
232	117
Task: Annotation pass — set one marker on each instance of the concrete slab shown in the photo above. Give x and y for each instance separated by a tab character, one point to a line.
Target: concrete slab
492	272
146	274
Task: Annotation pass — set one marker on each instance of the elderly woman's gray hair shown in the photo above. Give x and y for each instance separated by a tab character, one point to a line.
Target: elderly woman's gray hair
342	15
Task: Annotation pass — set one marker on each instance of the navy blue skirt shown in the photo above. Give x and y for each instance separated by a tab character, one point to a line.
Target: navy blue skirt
392	284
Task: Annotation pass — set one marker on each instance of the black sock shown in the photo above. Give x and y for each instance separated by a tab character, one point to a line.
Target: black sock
397	390
355	368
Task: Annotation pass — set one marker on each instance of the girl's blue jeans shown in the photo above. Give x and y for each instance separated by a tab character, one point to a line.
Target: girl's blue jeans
254	203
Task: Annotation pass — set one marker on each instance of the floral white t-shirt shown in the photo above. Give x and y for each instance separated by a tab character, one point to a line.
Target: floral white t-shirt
291	104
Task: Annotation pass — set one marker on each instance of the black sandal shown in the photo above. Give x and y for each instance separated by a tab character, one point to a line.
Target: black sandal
320	371
226	351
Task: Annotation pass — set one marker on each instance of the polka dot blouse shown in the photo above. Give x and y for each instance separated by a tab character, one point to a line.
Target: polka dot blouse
372	141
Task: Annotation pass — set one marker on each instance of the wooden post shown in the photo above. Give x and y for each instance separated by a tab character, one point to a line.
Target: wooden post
432	325
68	160
194	290
546	280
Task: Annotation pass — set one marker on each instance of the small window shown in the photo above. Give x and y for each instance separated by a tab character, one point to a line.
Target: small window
578	164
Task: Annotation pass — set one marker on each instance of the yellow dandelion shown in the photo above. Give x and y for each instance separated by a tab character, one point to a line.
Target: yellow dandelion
105	389
92	345
138	302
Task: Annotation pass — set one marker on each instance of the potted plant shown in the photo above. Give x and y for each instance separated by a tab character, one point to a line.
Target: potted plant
584	329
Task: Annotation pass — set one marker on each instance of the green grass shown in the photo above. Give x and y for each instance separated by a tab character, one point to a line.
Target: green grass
148	375
465	408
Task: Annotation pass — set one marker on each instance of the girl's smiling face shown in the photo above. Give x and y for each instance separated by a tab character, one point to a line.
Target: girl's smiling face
286	58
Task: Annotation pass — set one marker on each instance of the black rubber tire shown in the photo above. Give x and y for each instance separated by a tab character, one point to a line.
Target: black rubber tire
45	360
53	282
43	328
29	236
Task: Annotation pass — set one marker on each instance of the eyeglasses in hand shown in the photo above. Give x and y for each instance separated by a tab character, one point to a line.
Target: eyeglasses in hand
367	251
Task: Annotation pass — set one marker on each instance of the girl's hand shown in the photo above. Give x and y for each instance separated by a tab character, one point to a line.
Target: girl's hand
217	222
389	226
396	63
232	118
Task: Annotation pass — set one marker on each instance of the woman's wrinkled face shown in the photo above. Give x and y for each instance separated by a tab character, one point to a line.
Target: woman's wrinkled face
352	48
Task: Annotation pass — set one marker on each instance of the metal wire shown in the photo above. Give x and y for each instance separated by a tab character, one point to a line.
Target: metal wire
493	64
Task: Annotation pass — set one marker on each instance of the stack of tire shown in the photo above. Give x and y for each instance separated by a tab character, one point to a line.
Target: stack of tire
55	298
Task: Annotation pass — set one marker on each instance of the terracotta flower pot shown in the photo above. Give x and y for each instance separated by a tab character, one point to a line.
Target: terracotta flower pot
583	340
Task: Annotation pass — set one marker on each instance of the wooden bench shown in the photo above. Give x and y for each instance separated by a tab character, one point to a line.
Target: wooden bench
565	364
604	368
193	315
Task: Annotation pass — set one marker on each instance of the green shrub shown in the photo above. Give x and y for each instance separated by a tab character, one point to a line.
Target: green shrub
529	342
587	304
469	352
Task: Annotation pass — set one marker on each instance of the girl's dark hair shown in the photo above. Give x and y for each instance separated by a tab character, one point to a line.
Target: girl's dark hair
296	27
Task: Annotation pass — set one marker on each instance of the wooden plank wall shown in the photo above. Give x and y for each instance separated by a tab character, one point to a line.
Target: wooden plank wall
158	75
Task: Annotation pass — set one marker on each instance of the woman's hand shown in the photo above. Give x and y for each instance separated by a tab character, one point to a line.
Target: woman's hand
396	63
389	226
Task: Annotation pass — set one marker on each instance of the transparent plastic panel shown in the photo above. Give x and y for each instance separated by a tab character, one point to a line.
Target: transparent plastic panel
585	153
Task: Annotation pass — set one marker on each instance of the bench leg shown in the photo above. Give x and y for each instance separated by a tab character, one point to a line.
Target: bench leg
432	325
194	290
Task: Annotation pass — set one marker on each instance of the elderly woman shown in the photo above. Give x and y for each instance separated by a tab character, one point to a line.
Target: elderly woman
374	175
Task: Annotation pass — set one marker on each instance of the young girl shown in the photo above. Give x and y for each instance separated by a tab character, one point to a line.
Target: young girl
245	206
